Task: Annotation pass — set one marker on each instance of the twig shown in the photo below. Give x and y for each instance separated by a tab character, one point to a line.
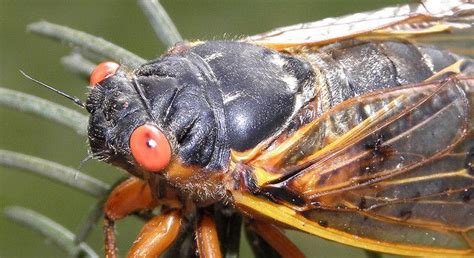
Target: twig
78	64
93	217
160	21
51	170
43	108
86	41
52	230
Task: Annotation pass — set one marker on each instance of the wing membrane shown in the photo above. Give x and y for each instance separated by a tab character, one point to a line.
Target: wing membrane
395	145
459	41
373	120
402	175
428	137
427	17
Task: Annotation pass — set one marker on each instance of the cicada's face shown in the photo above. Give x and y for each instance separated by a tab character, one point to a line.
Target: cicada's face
122	130
146	119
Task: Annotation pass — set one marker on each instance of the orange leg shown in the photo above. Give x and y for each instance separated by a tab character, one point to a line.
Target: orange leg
207	238
157	235
109	233
276	239
130	196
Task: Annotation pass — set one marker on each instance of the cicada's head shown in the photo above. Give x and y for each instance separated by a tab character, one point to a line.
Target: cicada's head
158	118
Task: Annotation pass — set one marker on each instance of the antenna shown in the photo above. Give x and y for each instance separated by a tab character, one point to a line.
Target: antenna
77	101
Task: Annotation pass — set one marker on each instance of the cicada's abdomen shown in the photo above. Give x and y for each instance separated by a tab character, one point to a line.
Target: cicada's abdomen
353	68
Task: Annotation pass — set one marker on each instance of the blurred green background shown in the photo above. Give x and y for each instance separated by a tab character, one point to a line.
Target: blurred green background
123	23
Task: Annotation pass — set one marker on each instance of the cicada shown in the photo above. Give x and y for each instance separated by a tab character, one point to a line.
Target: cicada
351	129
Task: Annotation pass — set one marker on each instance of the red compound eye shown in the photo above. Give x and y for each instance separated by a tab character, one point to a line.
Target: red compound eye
150	148
102	71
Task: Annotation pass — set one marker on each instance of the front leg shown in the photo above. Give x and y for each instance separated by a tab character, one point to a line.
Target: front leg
157	235
207	239
130	196
271	235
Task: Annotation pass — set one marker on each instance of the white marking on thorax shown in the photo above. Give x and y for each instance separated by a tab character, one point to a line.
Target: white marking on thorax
212	56
230	97
278	60
291	82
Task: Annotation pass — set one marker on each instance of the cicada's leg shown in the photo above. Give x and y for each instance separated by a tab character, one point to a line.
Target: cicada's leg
157	235
229	228
260	248
206	237
185	244
272	236
130	196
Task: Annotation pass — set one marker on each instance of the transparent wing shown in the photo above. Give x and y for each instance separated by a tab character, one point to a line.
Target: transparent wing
459	41
426	17
402	176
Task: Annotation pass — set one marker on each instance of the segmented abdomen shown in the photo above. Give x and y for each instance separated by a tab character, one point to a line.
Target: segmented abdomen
352	68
